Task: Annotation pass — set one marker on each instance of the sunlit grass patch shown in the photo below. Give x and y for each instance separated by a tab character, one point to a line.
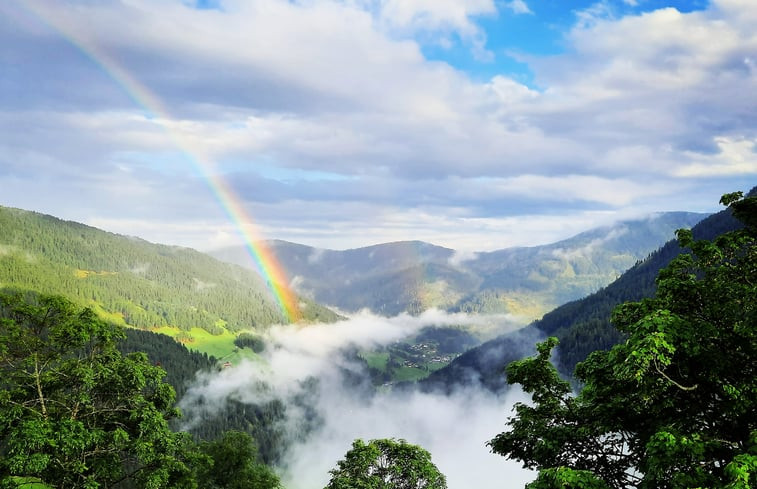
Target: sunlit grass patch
219	346
376	360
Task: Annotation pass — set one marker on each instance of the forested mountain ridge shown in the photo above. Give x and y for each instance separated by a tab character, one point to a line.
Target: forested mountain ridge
411	276
581	326
131	281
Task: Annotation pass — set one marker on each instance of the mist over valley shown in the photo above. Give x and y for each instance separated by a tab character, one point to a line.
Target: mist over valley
312	366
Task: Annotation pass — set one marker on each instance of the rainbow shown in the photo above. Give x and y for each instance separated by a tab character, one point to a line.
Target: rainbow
263	257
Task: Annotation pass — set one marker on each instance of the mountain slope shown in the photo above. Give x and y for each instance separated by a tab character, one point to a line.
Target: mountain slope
582	326
131	281
412	276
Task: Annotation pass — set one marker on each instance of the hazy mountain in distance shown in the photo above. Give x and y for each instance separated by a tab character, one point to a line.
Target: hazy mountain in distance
412	276
581	326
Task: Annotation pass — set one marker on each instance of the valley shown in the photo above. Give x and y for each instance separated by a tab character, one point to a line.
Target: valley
304	390
204	303
416	357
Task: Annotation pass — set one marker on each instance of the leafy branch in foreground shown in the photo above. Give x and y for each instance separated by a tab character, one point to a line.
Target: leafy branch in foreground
675	405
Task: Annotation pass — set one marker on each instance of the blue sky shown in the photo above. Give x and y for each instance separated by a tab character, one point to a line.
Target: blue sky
513	32
472	124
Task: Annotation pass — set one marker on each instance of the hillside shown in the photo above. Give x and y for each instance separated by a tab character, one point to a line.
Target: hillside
133	282
412	276
582	326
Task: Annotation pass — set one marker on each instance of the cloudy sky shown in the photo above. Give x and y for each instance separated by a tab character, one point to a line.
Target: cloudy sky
472	124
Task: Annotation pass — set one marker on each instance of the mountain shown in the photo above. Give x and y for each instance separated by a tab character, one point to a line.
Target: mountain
582	326
133	282
412	276
388	278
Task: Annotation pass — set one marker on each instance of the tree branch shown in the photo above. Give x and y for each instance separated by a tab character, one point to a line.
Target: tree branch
683	387
39	386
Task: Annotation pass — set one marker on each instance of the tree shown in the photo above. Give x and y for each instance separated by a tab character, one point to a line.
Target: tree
235	464
74	412
386	464
675	405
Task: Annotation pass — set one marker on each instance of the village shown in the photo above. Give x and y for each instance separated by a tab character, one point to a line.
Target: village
425	353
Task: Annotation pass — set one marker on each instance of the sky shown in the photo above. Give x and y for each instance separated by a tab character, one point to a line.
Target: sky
470	124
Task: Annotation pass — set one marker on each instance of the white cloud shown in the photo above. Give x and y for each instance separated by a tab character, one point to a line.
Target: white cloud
459	257
510	93
518	7
735	157
656	52
589	248
316	255
436	14
440	19
430	420
343	88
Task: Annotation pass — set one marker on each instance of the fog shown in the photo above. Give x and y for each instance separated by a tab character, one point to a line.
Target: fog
453	428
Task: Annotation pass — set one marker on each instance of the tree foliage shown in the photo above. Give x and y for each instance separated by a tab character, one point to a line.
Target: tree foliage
250	340
676	404
75	412
386	464
180	363
235	464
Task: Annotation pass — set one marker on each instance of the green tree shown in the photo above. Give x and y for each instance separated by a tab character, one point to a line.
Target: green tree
675	406
74	412
386	464
235	464
251	341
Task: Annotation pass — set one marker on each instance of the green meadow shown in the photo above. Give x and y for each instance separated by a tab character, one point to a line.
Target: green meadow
376	360
220	346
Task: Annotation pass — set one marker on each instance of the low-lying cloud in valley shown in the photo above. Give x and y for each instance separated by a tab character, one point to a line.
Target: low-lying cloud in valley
454	428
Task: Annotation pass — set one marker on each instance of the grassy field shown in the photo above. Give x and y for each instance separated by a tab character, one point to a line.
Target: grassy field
112	317
376	360
380	362
240	354
219	346
404	374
